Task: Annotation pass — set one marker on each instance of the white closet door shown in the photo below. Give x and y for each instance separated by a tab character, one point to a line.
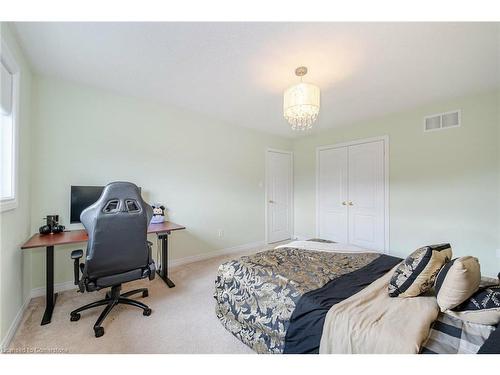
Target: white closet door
367	195
332	194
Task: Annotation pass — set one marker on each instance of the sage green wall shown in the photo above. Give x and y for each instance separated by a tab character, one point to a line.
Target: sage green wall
15	265
444	185
210	175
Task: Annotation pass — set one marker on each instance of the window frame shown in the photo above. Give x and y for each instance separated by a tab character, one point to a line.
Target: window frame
7	58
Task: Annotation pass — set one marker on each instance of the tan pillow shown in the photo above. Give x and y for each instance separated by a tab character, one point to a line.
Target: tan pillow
457	281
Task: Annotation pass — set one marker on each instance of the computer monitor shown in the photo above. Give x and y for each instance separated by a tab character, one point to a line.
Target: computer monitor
81	198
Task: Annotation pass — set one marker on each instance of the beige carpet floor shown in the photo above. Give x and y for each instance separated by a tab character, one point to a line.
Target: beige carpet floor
183	319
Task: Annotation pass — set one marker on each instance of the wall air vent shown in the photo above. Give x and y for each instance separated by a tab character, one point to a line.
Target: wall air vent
443	120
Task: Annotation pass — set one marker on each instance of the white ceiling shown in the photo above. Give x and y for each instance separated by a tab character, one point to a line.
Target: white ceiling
237	71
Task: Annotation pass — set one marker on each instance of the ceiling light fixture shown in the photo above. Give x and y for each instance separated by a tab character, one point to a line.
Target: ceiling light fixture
301	103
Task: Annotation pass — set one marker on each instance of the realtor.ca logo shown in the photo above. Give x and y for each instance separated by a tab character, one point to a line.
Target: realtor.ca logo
35	350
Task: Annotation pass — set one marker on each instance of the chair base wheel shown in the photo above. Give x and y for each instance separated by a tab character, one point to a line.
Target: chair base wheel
146	312
99	331
75	317
145	294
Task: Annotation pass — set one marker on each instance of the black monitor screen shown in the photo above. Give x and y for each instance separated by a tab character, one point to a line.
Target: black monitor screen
81	198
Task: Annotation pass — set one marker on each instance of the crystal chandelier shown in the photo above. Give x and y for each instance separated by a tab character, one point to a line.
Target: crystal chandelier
301	103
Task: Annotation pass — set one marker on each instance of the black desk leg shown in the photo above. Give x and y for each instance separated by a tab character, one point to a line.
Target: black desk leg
163	271
50	296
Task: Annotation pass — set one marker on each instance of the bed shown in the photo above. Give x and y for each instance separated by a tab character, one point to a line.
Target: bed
302	297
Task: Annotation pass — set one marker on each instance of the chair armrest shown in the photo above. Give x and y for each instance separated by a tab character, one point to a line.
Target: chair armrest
151	263
76	255
150	251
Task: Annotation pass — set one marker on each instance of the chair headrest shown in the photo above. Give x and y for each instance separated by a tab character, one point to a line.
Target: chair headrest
117	197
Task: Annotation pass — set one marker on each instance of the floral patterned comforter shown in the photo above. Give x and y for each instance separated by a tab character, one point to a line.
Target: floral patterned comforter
257	294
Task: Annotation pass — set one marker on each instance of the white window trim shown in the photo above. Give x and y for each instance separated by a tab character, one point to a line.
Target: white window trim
8	60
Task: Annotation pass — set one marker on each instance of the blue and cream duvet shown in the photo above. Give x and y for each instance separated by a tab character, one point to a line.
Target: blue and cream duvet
276	301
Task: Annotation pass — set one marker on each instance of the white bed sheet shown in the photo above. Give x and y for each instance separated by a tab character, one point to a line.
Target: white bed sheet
324	246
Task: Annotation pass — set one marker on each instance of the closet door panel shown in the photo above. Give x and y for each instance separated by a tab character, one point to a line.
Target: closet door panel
366	195
332	192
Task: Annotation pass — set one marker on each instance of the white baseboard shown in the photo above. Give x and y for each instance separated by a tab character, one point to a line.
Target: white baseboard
68	285
14	326
213	254
60	287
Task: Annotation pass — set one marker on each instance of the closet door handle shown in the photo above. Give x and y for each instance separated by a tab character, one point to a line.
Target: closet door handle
350	203
344	203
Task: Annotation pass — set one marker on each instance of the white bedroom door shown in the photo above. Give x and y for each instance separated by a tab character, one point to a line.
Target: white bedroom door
333	194
351	194
279	196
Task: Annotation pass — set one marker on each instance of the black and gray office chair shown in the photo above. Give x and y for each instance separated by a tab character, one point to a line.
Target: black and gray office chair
117	250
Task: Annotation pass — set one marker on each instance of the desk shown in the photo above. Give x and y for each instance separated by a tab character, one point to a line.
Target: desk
48	241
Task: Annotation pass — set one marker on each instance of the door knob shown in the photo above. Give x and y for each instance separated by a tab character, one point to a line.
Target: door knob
350	203
271	201
344	203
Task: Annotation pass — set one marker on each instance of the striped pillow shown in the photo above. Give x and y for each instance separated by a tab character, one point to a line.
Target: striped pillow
416	274
457	281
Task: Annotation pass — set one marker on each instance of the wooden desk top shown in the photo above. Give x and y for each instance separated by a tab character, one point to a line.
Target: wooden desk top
76	236
166	226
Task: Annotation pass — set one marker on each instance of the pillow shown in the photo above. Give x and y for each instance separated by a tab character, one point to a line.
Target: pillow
482	307
416	274
457	281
